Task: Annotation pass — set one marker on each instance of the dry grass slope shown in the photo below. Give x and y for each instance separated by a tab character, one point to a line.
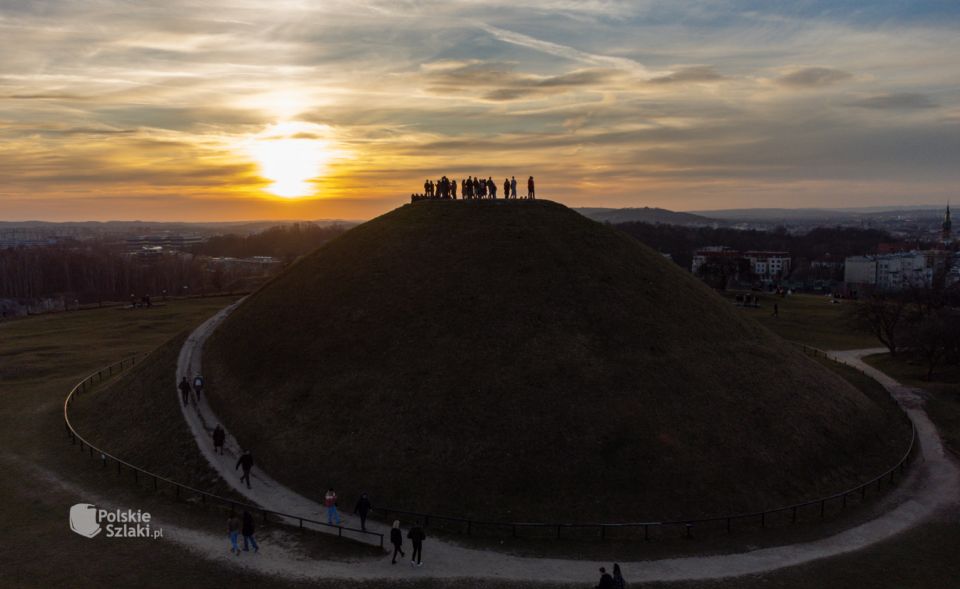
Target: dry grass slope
517	360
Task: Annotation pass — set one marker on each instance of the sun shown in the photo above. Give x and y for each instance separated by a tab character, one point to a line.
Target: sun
292	154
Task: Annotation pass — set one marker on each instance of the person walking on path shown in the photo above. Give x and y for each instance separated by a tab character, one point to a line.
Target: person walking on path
246	461
606	581
184	387
233	528
776	310
198	386
330	502
618	581
248	530
362	509
396	538
417	536
530	191
219	436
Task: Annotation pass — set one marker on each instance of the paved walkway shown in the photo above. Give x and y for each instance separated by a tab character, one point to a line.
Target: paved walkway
934	483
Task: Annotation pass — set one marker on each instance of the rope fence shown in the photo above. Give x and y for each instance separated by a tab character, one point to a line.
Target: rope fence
812	510
180	489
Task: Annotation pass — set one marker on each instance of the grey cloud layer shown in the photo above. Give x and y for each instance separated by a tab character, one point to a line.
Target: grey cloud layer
563	87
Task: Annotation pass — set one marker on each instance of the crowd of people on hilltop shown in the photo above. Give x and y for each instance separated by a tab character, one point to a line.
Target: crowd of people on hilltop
471	189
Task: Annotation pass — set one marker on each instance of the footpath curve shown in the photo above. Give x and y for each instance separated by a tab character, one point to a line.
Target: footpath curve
935	481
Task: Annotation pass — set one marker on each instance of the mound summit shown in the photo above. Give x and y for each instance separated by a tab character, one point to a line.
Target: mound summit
516	360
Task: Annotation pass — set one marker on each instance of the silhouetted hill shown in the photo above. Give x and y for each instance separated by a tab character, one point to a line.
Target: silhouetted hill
517	360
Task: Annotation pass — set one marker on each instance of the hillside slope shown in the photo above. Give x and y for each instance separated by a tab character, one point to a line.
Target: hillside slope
517	360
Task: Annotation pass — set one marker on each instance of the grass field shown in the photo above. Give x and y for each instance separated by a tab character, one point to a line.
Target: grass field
40	360
42	357
812	320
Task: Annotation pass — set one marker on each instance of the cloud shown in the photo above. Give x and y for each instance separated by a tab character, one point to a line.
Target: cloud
497	82
567	90
813	77
697	73
896	101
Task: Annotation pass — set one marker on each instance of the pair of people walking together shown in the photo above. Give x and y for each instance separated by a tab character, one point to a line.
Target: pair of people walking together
416	536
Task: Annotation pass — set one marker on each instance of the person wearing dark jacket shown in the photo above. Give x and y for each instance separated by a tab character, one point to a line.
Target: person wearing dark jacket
417	536
184	390
362	509
396	538
606	581
246	461
247	530
219	436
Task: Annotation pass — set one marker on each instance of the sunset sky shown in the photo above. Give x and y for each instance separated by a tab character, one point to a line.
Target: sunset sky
296	109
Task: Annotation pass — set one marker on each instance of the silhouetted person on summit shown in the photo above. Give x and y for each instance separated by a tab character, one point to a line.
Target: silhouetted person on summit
184	387
530	191
513	187
246	461
506	188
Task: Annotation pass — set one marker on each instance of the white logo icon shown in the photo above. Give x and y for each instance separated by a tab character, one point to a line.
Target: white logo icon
83	520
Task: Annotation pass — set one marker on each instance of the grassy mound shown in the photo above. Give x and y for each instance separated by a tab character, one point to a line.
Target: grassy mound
124	419
517	360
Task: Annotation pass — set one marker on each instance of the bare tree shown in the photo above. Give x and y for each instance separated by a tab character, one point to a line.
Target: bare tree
884	316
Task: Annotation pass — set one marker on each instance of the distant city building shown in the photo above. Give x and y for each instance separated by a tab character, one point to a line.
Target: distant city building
765	266
712	253
768	266
896	271
166	241
860	270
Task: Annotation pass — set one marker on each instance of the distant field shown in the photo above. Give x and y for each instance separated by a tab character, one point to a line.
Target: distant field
809	319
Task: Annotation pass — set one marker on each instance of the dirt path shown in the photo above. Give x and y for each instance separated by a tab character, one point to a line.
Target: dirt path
934	483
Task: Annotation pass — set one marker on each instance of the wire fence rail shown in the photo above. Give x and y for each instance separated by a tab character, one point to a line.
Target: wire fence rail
820	508
180	489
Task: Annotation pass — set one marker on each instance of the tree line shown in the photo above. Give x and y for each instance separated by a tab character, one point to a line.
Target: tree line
97	271
284	242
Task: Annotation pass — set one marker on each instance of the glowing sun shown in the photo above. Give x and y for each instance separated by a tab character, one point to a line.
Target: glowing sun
290	155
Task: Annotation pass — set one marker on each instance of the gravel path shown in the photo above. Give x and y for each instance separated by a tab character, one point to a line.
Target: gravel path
933	483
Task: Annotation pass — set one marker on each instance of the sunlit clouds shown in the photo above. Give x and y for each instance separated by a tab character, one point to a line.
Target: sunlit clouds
245	109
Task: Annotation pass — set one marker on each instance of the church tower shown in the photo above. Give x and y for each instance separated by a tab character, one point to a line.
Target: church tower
947	226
